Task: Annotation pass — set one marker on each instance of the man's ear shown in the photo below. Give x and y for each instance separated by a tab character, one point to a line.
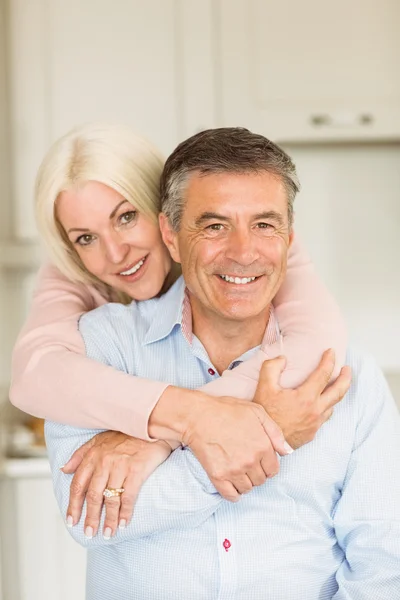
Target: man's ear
291	236
169	236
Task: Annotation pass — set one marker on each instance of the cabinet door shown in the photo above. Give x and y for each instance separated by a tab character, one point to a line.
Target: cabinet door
40	561
74	62
310	70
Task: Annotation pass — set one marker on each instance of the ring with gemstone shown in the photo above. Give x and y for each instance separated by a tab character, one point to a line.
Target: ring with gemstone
112	492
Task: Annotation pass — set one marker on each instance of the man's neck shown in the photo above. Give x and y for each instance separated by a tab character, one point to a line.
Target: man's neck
227	339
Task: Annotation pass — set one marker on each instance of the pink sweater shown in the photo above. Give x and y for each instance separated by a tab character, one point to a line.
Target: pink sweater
52	378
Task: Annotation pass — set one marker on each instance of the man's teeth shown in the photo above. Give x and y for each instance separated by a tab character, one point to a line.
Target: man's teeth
133	269
237	279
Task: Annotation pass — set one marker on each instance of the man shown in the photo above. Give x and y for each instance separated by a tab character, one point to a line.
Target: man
328	525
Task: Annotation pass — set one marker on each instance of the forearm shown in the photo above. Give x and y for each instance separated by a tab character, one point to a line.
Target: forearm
178	495
309	319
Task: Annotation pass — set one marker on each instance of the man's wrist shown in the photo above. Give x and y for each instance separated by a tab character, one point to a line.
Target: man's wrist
172	413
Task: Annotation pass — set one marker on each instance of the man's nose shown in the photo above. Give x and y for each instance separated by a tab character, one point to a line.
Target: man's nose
242	247
115	248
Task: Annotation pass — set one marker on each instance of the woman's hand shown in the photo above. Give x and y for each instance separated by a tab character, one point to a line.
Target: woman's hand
115	460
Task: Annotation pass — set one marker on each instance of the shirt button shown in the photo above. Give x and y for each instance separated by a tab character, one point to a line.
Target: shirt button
226	544
211	371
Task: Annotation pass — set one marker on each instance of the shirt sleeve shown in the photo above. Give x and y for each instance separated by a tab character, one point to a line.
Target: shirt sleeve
310	322
178	495
367	516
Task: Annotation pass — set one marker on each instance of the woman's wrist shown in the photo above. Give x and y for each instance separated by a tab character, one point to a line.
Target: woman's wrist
170	416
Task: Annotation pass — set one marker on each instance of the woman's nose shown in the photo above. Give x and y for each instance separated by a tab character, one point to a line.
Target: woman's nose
116	249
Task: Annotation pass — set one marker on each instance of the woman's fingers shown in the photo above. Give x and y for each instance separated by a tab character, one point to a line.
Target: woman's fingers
116	481
77	457
276	436
95	499
79	486
132	486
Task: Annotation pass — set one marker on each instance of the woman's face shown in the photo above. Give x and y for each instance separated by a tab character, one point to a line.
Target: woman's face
116	243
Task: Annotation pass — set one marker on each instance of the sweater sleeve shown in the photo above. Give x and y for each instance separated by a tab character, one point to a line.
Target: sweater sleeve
51	376
310	322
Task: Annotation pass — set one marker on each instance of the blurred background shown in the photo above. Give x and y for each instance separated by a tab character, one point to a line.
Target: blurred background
320	78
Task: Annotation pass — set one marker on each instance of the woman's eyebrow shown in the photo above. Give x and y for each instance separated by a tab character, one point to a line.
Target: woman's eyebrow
112	215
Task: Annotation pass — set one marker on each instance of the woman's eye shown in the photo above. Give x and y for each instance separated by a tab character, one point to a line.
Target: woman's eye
84	240
127	217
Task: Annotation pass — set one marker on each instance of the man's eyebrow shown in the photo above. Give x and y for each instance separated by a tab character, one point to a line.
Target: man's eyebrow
207	216
112	215
270	214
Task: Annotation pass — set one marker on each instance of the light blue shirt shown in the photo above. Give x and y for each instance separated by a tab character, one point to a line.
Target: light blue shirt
326	527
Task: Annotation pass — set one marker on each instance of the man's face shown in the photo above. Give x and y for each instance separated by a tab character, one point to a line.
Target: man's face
233	242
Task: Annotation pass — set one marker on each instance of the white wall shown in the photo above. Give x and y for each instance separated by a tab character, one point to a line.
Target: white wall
348	212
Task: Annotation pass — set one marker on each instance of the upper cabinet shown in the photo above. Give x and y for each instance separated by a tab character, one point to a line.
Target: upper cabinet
310	70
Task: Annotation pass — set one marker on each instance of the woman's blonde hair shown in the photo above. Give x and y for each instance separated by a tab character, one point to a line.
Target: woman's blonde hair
108	154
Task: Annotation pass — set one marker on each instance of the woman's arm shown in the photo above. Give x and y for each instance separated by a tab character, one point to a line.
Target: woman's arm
177	495
53	379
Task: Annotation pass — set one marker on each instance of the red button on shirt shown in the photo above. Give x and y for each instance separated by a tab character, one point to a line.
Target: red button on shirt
226	544
211	371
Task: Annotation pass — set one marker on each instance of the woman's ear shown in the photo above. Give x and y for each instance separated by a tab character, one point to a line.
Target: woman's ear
169	236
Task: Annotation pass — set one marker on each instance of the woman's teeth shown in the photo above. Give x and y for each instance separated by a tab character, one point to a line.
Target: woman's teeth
134	268
237	279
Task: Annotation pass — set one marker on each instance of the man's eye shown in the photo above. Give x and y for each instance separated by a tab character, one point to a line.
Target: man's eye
127	217
84	240
265	226
215	227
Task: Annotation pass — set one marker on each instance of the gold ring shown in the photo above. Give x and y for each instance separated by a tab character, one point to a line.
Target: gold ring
112	492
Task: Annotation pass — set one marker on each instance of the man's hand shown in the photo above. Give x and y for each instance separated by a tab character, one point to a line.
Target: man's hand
116	460
235	441
301	412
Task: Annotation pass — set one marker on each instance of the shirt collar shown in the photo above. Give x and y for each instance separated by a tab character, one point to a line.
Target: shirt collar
169	313
175	310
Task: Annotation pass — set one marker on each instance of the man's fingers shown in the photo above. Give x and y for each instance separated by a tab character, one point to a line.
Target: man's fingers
319	379
242	483
226	489
257	475
77	457
337	390
270	374
270	465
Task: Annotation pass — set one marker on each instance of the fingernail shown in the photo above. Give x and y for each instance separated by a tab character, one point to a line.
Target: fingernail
70	521
122	524
89	532
107	533
288	448
61	468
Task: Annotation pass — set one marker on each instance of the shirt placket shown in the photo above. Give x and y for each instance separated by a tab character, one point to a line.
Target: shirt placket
226	525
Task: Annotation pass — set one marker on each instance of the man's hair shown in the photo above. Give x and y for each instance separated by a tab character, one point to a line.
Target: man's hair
223	150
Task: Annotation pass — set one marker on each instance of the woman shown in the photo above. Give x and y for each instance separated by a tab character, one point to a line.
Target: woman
97	204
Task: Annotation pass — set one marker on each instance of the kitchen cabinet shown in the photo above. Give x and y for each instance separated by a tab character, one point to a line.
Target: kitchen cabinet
311	70
39	559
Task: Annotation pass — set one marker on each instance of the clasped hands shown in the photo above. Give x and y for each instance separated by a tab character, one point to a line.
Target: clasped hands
236	442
